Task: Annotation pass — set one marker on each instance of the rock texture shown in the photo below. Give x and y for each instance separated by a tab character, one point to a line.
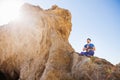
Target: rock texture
36	47
94	68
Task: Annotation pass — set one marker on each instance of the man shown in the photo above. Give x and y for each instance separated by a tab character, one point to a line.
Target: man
89	48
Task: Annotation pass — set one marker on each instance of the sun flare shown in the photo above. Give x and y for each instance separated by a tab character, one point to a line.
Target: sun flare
9	10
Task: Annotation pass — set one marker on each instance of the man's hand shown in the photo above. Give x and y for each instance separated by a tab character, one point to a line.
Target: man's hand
85	49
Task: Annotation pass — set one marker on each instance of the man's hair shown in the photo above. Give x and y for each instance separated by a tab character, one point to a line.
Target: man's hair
88	39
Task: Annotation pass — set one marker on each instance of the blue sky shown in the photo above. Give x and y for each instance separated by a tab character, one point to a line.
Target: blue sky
96	19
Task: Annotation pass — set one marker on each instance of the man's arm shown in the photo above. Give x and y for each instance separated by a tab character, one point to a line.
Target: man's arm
84	49
94	49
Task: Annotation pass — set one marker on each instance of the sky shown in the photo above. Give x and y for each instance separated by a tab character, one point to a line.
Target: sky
95	19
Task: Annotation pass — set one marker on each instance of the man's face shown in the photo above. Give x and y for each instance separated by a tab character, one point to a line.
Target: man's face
88	41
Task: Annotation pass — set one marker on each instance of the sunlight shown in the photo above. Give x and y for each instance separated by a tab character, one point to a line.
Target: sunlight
9	10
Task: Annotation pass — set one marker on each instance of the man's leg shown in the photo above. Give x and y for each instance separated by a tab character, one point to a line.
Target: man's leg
90	53
84	53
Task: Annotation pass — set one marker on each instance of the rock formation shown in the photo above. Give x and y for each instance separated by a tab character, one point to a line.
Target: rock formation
36	47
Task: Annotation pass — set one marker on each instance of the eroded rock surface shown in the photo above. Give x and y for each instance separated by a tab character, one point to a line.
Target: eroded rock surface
36	47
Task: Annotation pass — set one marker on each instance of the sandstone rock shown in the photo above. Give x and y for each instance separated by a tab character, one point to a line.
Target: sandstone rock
36	47
91	69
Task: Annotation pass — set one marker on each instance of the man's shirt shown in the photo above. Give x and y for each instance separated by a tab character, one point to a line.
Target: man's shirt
89	46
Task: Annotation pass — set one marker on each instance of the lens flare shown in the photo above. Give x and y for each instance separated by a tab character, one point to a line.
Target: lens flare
9	10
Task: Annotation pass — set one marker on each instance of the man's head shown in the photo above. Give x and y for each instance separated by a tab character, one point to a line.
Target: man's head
88	40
